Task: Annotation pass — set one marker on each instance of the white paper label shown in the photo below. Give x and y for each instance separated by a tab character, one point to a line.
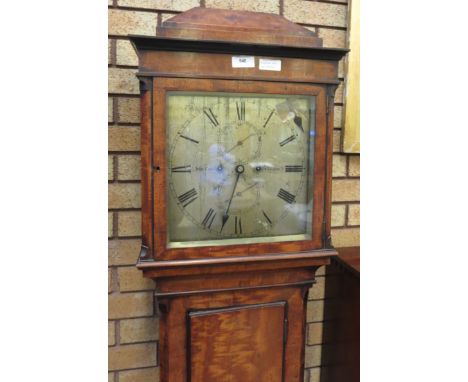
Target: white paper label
266	64
243	61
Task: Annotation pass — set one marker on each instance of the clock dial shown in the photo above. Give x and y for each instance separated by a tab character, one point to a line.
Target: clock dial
238	168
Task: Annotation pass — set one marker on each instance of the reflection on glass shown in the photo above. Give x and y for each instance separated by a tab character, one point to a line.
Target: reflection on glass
239	168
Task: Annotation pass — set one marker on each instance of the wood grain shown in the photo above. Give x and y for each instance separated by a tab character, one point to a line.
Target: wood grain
238	343
222	24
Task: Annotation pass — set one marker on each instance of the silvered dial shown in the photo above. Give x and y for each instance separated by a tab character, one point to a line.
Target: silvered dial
237	166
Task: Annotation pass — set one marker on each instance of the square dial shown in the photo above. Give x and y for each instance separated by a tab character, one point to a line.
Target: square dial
239	168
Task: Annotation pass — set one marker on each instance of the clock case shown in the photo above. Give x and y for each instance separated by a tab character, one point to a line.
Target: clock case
218	286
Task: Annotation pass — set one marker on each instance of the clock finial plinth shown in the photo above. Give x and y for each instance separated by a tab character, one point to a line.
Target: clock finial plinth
238	26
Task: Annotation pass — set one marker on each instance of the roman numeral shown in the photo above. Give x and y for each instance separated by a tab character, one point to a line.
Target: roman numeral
189	139
286	196
188	197
267	218
287	140
241	111
187	168
293	168
238	226
209	113
269	117
208	220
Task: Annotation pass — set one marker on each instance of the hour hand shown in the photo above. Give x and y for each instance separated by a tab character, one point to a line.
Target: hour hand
239	143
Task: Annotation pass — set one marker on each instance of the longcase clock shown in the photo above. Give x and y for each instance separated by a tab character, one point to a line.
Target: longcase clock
236	137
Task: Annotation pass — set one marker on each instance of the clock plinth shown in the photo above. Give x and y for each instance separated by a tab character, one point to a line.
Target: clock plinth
236	124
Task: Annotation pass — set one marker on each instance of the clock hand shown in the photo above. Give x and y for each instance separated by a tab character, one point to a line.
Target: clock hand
298	122
239	171
239	143
248	188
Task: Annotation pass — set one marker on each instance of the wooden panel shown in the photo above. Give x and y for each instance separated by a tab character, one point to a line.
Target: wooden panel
174	330
146	107
237	344
351	134
211	65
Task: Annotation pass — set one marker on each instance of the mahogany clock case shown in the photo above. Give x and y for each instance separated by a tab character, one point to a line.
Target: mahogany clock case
159	201
163	70
233	313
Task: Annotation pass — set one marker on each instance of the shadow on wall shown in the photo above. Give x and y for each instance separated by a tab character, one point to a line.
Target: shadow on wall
340	349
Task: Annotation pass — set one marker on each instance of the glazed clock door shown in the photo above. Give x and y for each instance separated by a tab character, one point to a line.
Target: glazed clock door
239	166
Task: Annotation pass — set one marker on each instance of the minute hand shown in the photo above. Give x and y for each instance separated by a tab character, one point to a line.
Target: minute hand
239	171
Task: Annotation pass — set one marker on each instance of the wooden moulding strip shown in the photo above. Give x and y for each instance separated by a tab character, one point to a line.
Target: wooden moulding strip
207	46
238	260
309	283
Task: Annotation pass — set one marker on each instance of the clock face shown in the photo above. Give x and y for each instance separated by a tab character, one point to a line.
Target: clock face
239	168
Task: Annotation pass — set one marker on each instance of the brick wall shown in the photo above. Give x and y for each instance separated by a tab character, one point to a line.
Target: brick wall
133	332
